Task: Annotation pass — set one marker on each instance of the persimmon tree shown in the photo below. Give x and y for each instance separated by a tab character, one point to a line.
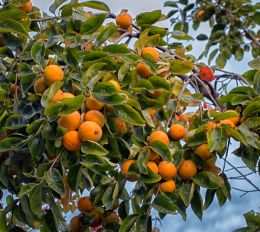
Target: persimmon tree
92	100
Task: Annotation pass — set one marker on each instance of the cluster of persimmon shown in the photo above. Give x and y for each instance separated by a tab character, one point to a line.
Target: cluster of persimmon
166	169
91	216
81	126
187	168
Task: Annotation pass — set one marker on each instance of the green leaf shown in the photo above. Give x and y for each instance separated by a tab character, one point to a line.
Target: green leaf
197	204
217	139
63	107
208	180
249	155
180	35
256	85
56	5
124	69
212	55
159	82
251	109
221	60
38	52
107	197
55	181
36	200
94	55
35	126
162	150
148	18
255	64
3	225
90	147
10	25
163	203
74	176
116	49
92	75
129	114
11	143
115	99
70	57
179	67
249	137
209	197
151	178
26	189
223	115
142	160
105	34
104	89
186	193
128	223
202	37
35	147
197	136
50	93
142	223
92	4
92	24
15	14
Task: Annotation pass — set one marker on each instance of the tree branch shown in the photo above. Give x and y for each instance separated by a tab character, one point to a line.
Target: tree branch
252	37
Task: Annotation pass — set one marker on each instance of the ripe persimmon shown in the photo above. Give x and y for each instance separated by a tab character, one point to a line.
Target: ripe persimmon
228	122
124	170
112	217
53	73
95	116
124	19
235	120
167	170
116	84
153	52
120	125
75	223
96	218
70	121
90	131
206	74
153	155
27	7
187	169
61	95
40	86
94	104
89	47
159	136
184	118
203	151
144	70
85	205
177	132
167	186
152	166
71	141
212	168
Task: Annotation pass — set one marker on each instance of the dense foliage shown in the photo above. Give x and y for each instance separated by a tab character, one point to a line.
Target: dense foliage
83	114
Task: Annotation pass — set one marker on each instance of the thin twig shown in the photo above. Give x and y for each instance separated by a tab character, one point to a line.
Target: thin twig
46	19
249	181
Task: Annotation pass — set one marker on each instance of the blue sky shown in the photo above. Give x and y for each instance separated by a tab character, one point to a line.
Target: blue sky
230	216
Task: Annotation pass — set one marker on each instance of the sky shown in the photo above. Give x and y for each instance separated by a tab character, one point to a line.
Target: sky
230	216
